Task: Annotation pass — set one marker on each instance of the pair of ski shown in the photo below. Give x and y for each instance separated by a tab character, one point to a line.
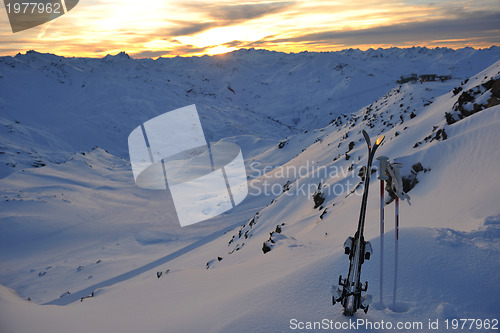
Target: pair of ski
348	293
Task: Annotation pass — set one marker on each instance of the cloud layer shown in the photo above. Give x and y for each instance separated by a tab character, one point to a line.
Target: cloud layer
167	28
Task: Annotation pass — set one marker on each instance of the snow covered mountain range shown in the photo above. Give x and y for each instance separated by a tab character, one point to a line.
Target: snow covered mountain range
73	224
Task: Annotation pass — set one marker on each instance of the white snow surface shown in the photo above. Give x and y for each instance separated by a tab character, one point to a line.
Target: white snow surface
73	223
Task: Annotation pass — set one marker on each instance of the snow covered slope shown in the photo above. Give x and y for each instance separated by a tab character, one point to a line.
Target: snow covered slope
52	107
74	224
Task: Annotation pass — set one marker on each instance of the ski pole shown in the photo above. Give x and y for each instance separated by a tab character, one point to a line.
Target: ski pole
381	240
396	256
382	176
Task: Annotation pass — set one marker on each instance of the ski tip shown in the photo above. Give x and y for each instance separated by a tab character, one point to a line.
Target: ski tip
379	140
367	139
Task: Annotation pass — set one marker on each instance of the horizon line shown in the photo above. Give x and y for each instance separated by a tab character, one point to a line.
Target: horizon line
126	53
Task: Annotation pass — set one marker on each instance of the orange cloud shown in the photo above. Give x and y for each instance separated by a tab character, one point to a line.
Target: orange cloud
167	28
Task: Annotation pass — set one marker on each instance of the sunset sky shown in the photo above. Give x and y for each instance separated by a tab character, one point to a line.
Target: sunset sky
155	28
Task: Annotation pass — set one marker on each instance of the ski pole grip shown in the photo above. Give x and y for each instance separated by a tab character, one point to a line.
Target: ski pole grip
383	160
398	181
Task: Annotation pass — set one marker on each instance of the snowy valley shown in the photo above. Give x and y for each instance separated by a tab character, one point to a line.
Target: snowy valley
83	249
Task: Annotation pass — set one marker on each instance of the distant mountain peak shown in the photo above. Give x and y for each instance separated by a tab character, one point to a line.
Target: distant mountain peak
121	55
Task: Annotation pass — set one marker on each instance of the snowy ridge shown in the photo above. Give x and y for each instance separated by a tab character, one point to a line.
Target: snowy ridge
414	109
78	223
68	105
